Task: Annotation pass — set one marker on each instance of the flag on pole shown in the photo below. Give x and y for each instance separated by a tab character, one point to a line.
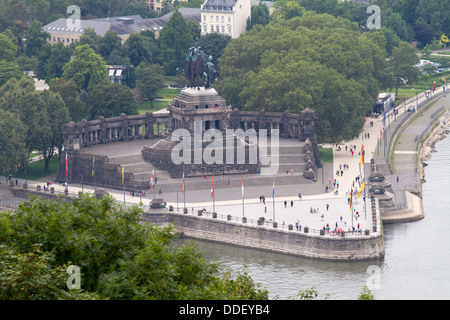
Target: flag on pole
123	173
182	183
242	187
351	199
212	186
93	165
67	167
361	189
153	178
361	168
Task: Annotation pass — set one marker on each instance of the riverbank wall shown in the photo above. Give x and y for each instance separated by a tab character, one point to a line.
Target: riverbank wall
433	117
272	238
267	236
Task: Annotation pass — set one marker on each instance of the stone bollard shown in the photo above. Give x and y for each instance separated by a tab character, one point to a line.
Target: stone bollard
290	227
322	232
25	186
260	222
199	213
11	183
170	208
343	234
214	215
367	232
244	220
185	210
38	188
229	217
66	191
275	224
305	229
52	190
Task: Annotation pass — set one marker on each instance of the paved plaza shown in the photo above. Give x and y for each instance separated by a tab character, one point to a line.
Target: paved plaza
228	191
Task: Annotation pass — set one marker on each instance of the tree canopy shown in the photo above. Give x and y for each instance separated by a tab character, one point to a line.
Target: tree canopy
315	61
119	256
87	69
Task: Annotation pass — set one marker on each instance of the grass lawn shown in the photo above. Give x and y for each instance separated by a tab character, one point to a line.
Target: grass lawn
145	106
326	154
424	83
36	169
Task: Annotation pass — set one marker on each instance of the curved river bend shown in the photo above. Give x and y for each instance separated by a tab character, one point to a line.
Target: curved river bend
416	263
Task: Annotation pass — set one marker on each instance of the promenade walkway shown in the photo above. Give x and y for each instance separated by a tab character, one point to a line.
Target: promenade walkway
228	198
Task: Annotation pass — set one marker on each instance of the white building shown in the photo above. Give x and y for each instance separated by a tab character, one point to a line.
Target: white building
225	16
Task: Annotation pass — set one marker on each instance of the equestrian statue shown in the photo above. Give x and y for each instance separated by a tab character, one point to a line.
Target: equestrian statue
198	68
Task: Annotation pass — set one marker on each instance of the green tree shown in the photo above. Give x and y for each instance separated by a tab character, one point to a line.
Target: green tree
108	43
213	44
71	96
120	256
7	48
87	69
110	100
150	79
91	38
403	59
58	58
342	71
31	276
35	37
12	142
286	9
9	70
259	15
366	294
139	48
174	41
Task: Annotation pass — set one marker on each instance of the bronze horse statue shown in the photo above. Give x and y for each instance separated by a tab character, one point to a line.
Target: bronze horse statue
198	65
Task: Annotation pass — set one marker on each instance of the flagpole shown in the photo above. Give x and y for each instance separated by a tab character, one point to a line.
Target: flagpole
273	201
93	170
183	189
212	192
67	172
243	215
123	180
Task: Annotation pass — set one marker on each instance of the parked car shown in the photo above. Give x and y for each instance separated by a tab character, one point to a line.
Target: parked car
411	109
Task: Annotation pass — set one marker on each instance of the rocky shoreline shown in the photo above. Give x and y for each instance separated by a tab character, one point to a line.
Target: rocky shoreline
429	146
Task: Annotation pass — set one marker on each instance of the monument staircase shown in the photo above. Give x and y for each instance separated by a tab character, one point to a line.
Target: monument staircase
291	167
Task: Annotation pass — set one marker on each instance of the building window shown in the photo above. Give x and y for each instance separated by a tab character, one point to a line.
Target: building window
205	28
223	29
212	28
217	18
212	18
229	31
229	19
217	28
223	19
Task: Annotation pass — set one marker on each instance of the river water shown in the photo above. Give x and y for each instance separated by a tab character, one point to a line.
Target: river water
416	263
